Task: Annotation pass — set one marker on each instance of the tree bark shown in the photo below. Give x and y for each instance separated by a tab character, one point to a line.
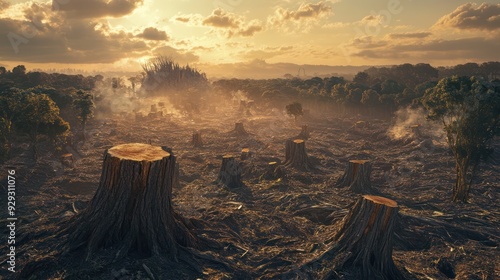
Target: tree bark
196	140
357	176
295	154
230	173
366	237
132	207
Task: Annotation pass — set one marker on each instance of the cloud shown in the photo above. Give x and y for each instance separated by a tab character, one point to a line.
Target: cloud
305	11
96	8
179	56
460	49
152	33
4	5
265	53
222	22
471	16
249	30
220	18
410	35
303	17
55	38
182	19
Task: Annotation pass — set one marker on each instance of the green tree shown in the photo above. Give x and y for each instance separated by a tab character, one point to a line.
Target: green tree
39	115
294	109
85	105
9	108
468	108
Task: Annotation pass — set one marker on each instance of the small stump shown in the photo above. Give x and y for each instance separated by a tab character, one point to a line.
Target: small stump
295	154
273	171
245	153
415	130
132	207
304	133
230	173
196	140
239	129
366	237
67	160
154	109
357	176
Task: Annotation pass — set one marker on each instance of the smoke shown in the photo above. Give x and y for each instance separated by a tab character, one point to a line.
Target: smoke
111	102
412	121
240	96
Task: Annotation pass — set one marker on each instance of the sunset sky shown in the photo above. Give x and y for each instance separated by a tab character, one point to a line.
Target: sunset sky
121	34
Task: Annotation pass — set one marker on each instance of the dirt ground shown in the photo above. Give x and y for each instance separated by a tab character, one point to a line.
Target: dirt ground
268	228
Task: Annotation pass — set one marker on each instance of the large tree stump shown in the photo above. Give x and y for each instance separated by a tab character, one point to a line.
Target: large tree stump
196	140
304	133
357	176
230	173
132	207
239	129
295	154
366	237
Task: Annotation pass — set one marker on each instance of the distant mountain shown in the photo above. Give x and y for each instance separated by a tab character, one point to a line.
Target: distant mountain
259	69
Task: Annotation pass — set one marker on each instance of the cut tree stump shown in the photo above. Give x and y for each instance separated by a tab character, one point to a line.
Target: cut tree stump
245	153
154	109
67	160
365	238
230	173
132	207
239	129
295	154
415	129
273	171
357	176
197	141
304	133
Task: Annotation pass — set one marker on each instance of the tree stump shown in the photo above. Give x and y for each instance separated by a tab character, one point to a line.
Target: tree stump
295	154
230	173
67	160
415	130
357	176
273	171
366	237
239	129
154	109
304	133
196	141
132	207
245	153
243	105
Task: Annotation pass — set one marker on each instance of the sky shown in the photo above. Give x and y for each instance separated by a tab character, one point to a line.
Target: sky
122	34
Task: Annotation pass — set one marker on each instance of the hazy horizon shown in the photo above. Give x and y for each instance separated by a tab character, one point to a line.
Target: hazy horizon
231	37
